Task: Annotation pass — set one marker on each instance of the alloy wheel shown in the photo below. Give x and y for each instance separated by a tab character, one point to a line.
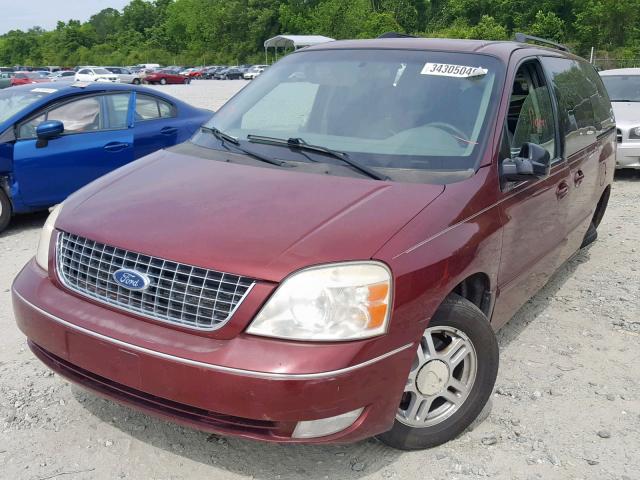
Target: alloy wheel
441	377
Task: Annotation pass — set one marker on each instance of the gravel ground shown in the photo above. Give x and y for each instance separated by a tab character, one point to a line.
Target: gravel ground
566	404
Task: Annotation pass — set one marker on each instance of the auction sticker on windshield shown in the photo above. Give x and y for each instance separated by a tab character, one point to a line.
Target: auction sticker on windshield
457	71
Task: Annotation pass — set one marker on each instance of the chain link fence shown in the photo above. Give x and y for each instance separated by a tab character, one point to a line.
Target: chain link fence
606	63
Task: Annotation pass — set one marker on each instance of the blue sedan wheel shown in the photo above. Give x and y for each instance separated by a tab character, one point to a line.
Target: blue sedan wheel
5	211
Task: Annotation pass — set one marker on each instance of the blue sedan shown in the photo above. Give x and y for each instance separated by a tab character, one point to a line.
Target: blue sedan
56	138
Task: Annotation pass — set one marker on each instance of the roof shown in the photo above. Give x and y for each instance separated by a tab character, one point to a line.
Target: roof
501	49
620	71
296	41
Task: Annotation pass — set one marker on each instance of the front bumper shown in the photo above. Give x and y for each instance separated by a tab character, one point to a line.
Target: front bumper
628	155
183	376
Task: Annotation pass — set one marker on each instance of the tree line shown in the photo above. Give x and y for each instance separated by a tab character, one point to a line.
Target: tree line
233	31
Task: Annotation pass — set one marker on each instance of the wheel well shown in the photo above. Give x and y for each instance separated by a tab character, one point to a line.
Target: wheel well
602	206
476	289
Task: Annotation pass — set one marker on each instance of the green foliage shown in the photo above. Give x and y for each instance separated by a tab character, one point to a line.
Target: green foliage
233	31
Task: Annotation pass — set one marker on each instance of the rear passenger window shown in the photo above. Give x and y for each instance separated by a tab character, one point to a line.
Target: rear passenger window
585	110
151	108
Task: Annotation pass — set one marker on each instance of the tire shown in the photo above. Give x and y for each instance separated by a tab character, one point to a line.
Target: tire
136	81
187	81
592	233
163	81
457	324
5	210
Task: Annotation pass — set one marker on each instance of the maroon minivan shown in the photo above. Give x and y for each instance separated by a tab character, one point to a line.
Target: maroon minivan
329	257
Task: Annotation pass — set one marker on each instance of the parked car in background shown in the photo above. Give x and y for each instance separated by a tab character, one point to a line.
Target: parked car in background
254	71
95	74
62	75
210	72
25	78
125	75
232	73
329	257
164	77
623	85
55	138
5	79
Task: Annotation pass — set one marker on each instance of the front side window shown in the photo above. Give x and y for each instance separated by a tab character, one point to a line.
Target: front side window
78	116
393	110
530	118
117	106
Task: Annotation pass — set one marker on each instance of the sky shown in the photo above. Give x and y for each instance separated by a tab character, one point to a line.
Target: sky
25	14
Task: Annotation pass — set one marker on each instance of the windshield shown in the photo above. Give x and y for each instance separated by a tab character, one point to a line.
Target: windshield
388	109
13	100
623	88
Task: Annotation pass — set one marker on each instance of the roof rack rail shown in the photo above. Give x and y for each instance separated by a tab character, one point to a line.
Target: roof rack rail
524	38
395	35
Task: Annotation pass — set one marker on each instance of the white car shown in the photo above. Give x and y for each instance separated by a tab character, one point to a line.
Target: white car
623	86
62	75
125	75
95	74
254	71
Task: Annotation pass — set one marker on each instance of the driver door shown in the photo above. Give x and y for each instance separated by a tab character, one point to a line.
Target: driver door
97	138
534	212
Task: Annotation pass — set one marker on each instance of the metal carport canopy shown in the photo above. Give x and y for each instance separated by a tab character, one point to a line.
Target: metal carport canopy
295	41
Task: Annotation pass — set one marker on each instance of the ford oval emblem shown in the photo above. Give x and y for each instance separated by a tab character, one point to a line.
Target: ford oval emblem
131	279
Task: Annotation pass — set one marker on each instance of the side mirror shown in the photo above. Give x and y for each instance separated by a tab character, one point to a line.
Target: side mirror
48	131
532	162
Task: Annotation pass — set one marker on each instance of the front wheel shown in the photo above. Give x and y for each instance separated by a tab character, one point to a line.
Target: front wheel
136	81
451	378
163	81
5	210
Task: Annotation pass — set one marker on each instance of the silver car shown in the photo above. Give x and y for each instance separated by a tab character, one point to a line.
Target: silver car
623	85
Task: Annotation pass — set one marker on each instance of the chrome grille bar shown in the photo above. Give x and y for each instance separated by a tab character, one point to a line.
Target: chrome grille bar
180	294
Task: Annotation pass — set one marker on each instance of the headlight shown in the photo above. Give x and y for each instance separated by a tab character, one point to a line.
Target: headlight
634	132
345	301
42	254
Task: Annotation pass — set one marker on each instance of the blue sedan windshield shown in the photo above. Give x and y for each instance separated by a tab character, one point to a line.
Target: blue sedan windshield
12	101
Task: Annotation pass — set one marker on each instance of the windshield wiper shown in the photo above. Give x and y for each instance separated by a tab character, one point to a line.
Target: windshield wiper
225	137
299	143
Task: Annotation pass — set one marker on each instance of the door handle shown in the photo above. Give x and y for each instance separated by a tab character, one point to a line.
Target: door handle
168	130
562	190
115	146
578	178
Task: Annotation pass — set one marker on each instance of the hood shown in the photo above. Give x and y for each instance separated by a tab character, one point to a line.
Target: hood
249	220
627	114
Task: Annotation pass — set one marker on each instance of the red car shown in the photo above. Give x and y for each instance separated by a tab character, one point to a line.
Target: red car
24	78
164	77
314	266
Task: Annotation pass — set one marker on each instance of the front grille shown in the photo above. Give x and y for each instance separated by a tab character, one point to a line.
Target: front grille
619	135
178	293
